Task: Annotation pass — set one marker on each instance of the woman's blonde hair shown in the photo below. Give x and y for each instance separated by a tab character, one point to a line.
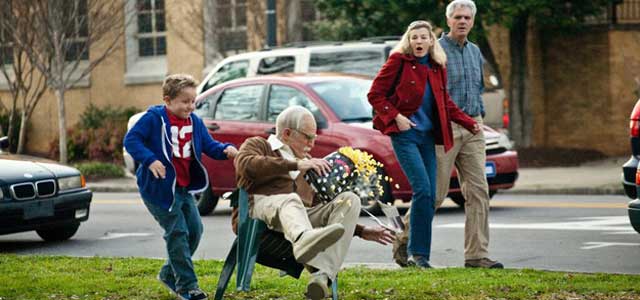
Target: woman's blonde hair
436	52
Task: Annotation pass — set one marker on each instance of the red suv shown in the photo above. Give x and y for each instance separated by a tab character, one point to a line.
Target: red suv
248	107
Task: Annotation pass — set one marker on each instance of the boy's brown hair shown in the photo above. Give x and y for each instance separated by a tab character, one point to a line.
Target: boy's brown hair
175	83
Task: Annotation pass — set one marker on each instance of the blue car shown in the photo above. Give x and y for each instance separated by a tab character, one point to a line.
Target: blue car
630	171
49	198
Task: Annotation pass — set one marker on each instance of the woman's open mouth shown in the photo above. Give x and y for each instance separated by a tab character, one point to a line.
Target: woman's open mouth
419	48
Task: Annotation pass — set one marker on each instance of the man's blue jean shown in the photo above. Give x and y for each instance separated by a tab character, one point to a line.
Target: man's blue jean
416	154
182	231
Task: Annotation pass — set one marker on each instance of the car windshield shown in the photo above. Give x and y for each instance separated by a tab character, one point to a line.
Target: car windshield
347	97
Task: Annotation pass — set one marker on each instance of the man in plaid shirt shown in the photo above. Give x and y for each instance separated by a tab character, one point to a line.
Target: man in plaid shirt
465	85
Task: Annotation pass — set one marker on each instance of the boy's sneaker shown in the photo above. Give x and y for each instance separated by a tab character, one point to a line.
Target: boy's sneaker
195	294
168	284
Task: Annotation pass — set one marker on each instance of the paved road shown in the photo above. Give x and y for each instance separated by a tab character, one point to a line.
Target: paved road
567	233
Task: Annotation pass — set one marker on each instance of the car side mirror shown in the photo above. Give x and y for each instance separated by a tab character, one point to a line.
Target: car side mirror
321	124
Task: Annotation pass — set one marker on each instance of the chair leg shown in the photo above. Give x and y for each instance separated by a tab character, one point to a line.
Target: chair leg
248	252
227	270
334	289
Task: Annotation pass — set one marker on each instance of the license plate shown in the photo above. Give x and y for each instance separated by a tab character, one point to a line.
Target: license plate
37	209
490	169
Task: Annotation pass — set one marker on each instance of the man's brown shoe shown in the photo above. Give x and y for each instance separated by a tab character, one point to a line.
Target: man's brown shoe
315	241
483	263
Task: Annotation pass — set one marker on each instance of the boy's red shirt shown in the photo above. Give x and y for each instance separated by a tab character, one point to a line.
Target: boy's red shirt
181	132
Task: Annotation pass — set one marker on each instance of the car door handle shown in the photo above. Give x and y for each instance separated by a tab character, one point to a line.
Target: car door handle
271	130
213	126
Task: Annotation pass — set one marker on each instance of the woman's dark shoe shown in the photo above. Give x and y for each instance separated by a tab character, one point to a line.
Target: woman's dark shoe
418	261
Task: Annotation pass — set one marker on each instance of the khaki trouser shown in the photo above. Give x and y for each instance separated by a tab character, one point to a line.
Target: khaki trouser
286	213
468	155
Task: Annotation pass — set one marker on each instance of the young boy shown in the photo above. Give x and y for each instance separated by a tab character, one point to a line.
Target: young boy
168	142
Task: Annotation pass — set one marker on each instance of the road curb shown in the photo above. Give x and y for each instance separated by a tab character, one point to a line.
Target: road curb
566	191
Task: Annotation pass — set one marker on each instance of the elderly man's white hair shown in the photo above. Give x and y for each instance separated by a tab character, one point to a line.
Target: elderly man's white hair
461	3
292	118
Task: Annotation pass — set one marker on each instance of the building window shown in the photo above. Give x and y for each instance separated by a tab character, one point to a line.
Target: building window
77	30
146	41
152	39
232	24
225	29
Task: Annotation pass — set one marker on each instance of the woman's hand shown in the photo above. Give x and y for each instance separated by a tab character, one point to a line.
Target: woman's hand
476	128
404	123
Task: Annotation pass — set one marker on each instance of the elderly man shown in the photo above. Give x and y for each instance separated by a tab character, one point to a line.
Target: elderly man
272	171
465	85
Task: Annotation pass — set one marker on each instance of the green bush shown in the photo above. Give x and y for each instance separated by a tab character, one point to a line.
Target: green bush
95	117
98	136
100	170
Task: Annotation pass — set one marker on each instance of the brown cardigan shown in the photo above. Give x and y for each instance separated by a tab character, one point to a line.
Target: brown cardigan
260	170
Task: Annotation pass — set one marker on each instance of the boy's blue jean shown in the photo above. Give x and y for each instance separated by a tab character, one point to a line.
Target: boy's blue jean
182	231
416	154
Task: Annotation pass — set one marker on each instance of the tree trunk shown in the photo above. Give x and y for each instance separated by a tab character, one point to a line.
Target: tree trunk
23	130
12	117
62	125
519	107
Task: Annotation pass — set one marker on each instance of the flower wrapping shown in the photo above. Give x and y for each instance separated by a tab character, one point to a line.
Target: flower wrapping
352	170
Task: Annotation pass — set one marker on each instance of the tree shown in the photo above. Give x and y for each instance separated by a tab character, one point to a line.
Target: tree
541	15
25	84
71	38
361	18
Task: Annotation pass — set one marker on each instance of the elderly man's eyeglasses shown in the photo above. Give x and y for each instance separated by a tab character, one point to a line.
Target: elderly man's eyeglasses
309	137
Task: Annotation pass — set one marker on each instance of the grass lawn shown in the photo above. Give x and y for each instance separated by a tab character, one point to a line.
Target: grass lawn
62	278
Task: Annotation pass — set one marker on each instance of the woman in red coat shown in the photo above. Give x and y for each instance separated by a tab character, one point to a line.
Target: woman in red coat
409	96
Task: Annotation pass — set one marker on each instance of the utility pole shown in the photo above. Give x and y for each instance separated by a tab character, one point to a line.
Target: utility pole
271	23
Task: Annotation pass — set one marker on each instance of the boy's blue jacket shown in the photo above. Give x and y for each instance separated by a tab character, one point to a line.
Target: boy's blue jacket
148	140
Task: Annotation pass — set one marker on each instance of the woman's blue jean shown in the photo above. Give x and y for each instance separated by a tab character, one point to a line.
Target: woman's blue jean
416	153
182	231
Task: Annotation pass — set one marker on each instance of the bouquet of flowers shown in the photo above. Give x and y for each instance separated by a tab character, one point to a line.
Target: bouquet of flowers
352	170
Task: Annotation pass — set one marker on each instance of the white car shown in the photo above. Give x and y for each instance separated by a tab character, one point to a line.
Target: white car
363	58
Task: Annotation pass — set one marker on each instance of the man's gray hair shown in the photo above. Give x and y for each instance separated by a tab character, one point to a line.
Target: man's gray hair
292	118
461	3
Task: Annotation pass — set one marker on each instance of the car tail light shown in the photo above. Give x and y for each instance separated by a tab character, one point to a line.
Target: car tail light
634	122
505	113
638	177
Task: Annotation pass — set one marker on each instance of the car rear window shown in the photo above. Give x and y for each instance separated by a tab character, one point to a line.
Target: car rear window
363	62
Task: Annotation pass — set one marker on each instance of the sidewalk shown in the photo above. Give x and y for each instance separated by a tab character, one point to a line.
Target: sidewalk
599	177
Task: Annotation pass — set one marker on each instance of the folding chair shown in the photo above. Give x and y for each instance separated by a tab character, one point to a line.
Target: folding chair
256	243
